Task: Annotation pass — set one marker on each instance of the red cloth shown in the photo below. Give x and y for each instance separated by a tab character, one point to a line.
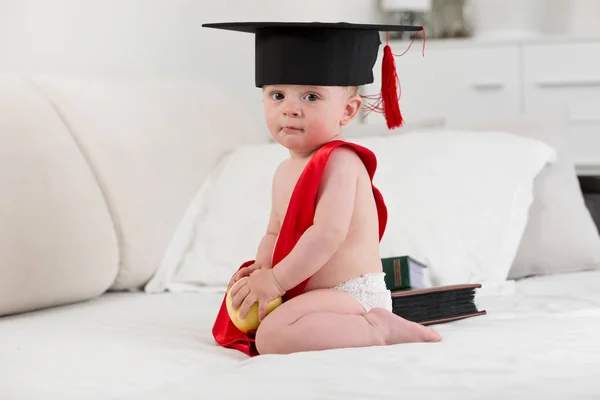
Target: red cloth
299	217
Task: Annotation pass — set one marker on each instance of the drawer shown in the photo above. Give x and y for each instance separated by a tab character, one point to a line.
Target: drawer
579	107
564	79
582	142
454	82
560	65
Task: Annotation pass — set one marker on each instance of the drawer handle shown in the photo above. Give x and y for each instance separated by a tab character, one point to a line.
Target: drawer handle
584	114
584	122
562	83
488	85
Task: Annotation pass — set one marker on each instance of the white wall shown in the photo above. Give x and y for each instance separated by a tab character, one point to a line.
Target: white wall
153	38
164	38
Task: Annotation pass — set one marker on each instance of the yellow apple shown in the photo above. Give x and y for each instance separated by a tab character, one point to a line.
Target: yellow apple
250	322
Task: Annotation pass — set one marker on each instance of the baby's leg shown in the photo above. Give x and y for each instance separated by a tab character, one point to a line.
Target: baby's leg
328	319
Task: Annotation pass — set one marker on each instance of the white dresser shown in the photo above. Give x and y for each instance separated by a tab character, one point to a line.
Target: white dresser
459	81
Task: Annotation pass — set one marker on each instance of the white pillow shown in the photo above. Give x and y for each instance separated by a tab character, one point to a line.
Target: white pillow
457	200
225	222
560	236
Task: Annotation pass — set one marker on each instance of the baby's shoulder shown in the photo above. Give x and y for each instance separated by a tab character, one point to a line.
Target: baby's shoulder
345	154
282	168
284	173
344	160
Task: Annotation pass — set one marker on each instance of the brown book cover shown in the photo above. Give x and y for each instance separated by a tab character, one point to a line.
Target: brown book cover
439	289
450	319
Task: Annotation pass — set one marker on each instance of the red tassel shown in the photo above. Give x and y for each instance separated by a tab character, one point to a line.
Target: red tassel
389	90
387	102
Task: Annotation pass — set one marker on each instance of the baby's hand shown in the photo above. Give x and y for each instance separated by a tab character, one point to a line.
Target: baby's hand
243	272
262	287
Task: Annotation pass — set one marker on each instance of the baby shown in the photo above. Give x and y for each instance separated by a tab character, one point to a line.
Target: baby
346	302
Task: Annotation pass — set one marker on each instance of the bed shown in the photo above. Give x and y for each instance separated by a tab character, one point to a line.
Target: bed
542	342
539	338
171	239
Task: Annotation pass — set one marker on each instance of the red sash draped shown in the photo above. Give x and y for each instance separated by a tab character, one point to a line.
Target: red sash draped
299	217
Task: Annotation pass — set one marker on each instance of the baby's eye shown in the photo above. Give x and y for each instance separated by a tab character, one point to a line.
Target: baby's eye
277	96
311	97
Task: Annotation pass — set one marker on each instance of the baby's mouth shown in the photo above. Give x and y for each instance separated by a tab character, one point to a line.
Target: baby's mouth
291	129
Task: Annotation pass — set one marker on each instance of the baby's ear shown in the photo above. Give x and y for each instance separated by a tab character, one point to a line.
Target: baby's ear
352	108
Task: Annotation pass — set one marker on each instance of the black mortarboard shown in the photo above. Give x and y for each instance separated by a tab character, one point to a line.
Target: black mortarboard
323	54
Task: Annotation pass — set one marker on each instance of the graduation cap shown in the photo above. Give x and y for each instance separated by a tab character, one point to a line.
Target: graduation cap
324	54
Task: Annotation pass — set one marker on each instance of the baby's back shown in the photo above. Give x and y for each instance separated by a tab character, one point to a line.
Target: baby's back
359	252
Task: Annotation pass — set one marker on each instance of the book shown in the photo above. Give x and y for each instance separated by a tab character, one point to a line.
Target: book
436	305
403	272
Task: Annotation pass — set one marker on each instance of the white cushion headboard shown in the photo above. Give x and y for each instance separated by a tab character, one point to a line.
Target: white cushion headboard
122	160
57	243
150	146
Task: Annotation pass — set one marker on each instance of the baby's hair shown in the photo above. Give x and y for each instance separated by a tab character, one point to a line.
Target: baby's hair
352	90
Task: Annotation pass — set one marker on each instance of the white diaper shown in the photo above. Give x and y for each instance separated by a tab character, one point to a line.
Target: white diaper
369	290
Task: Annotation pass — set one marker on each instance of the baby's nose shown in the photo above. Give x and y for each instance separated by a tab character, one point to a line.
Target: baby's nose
291	110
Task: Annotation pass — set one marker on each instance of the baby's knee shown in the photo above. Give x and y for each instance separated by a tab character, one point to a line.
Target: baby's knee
268	337
264	340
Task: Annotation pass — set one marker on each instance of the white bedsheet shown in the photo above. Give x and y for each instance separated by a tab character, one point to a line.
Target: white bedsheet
542	343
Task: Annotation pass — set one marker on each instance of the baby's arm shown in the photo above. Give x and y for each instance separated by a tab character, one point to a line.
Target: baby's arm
264	254
331	223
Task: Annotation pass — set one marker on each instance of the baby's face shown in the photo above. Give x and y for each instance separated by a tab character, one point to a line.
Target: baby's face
302	118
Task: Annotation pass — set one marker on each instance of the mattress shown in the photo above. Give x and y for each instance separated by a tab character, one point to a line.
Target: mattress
542	342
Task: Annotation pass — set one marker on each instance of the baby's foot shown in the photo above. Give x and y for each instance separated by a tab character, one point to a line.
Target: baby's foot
399	330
